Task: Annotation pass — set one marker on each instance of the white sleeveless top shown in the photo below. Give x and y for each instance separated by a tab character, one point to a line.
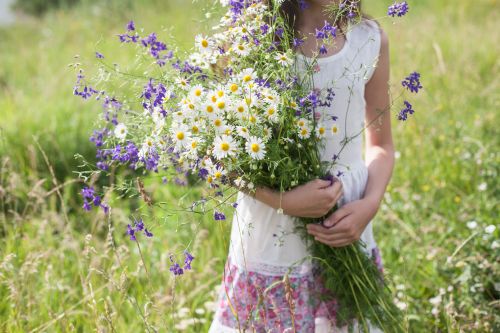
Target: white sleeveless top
263	241
257	228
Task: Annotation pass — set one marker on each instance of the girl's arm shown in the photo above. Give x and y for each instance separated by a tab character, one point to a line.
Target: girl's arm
346	225
313	199
379	152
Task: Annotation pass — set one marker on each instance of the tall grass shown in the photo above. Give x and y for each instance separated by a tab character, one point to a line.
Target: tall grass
62	270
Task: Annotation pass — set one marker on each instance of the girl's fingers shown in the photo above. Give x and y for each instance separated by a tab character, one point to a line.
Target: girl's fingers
330	239
338	215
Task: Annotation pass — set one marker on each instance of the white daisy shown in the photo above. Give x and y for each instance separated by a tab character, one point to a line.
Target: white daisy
194	144
233	88
218	172
283	59
219	124
209	110
196	93
181	136
182	82
242	48
304	133
247	75
121	131
272	113
240	109
224	146
320	131
239	182
203	44
243	132
334	129
221	104
302	122
255	148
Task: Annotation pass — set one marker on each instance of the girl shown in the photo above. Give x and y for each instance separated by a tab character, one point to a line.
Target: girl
268	285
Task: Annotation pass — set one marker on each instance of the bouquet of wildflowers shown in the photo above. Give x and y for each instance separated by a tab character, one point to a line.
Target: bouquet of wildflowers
235	112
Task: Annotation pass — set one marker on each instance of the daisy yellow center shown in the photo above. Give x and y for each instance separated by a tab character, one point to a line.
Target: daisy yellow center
210	179
253	119
234	87
241	47
224	146
241	109
217	122
270	111
293	104
195	129
220	93
122	130
244	130
334	129
191	106
303	132
214	98
180	136
218	174
247	78
150	143
194	144
227	131
197	92
210	109
221	105
283	58
321	130
301	123
255	147
204	43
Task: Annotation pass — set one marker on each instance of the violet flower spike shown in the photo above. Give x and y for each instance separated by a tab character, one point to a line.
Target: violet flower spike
398	9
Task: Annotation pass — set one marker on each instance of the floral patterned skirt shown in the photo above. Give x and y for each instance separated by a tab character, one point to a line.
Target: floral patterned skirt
256	302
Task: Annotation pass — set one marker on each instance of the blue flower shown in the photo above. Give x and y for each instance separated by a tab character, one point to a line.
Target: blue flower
148	233
297	42
303	4
218	216
131	232
99	55
398	9
131	26
323	49
403	114
175	268
412	82
188	258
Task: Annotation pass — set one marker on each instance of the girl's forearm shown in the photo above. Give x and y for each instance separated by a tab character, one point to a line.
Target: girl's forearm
380	163
267	196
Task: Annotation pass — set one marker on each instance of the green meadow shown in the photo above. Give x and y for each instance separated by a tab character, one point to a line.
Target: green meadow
66	270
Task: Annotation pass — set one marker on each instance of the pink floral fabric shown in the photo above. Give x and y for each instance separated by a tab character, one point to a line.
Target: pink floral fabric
272	303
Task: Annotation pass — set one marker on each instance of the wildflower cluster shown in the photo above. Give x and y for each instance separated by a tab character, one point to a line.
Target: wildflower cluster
176	268
91	198
398	9
412	84
138	226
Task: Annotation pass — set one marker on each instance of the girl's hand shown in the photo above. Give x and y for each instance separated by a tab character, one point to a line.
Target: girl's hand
313	199
346	225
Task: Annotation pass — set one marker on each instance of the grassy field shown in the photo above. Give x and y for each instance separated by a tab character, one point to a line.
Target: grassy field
63	270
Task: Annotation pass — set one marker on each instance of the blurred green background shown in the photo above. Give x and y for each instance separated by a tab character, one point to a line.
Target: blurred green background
63	270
